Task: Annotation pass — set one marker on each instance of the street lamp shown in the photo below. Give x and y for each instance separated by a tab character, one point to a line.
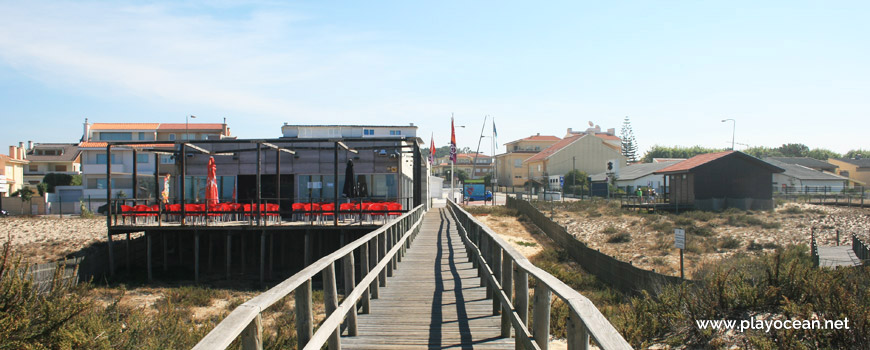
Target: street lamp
733	130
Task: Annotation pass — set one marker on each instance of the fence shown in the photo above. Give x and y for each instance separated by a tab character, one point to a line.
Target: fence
502	269
861	249
814	248
379	252
855	196
619	274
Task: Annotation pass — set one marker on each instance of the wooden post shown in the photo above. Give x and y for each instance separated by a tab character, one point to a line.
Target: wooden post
541	315
229	253
364	271
196	256
271	254
495	264
382	249
388	244
252	336
349	284
304	314
330	301
507	271
578	335
308	247
165	252
373	261
262	257
242	250
148	254
210	251
111	256
521	283
127	251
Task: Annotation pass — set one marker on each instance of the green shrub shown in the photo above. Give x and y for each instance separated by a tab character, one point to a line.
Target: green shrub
610	229
729	243
621	237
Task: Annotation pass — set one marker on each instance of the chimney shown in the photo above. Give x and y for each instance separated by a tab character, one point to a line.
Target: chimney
538	134
12	152
29	145
87	131
570	130
611	131
20	153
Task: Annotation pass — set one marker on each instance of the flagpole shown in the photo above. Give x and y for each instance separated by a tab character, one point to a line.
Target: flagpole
494	164
452	174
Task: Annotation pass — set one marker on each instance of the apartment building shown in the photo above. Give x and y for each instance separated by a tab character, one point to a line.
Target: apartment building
48	158
123	160
856	169
475	165
510	168
588	151
12	171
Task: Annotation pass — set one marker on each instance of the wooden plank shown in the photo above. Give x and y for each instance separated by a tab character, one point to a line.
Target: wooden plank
252	337
349	285
330	302
304	313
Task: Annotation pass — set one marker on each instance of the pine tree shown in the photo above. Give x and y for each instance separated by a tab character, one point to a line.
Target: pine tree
629	145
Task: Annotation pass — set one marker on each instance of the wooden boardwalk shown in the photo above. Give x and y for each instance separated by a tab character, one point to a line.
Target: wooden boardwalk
833	256
434	299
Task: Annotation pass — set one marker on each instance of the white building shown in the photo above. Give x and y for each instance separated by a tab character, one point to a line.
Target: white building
799	179
629	178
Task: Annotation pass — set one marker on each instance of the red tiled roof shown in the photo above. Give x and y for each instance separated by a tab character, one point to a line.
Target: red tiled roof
471	155
694	162
102	144
540	138
553	149
124	126
193	126
608	137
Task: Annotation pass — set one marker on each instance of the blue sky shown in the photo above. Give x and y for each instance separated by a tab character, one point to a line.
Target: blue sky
789	71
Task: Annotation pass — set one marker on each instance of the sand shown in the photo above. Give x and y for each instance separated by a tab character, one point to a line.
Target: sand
50	238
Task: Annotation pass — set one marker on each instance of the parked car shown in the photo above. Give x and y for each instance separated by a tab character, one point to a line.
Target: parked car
103	209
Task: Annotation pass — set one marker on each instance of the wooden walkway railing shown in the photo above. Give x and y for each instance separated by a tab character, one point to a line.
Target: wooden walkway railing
504	270
379	251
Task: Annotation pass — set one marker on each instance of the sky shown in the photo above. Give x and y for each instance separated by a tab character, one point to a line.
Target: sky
785	71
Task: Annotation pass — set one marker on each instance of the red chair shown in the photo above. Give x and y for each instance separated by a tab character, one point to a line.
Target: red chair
126	212
297	208
345	209
328	210
378	209
312	211
395	209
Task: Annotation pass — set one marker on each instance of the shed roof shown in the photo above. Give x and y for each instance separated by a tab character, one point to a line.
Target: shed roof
801	172
804	161
861	163
537	137
636	171
701	159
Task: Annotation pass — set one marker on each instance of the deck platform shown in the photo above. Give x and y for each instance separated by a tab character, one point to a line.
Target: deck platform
433	301
833	256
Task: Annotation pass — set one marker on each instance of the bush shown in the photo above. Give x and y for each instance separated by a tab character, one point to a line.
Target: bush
621	237
729	243
610	229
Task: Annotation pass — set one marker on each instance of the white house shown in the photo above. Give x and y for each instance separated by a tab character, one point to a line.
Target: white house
799	178
629	178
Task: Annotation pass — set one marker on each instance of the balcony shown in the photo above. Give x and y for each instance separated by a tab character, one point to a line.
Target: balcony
101	168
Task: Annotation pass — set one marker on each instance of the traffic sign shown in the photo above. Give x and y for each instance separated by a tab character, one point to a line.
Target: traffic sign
561	181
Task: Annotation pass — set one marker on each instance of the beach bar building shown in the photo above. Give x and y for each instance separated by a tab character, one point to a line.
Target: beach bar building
715	181
303	194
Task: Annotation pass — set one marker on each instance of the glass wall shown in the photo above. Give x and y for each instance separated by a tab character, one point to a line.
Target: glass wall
321	187
195	187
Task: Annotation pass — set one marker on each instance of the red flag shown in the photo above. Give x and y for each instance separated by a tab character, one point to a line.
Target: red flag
432	149
452	142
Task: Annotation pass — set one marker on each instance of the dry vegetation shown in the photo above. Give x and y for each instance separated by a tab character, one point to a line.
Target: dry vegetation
647	240
778	283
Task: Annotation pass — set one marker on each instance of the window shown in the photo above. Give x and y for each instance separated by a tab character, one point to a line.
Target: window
539	167
116	136
368	132
101	184
518	163
141	136
101	159
171	137
166	159
537	148
60	168
395	132
142	158
33	168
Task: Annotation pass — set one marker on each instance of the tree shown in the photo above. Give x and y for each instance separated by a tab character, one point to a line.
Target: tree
576	182
26	195
822	154
442	151
676	152
794	150
487	180
53	180
855	153
629	144
460	174
41	188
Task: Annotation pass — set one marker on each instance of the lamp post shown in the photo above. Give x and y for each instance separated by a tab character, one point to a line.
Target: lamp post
733	130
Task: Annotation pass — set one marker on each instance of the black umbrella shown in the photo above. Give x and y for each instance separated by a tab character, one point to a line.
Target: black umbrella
350	189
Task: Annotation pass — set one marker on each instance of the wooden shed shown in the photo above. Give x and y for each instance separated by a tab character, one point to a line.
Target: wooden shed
715	181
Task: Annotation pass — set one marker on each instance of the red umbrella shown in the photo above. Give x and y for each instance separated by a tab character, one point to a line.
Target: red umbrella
211	190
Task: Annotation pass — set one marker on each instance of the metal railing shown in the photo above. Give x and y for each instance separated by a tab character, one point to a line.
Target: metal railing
379	251
502	269
861	249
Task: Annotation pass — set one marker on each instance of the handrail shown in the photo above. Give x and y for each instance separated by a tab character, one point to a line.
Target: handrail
585	319
377	263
